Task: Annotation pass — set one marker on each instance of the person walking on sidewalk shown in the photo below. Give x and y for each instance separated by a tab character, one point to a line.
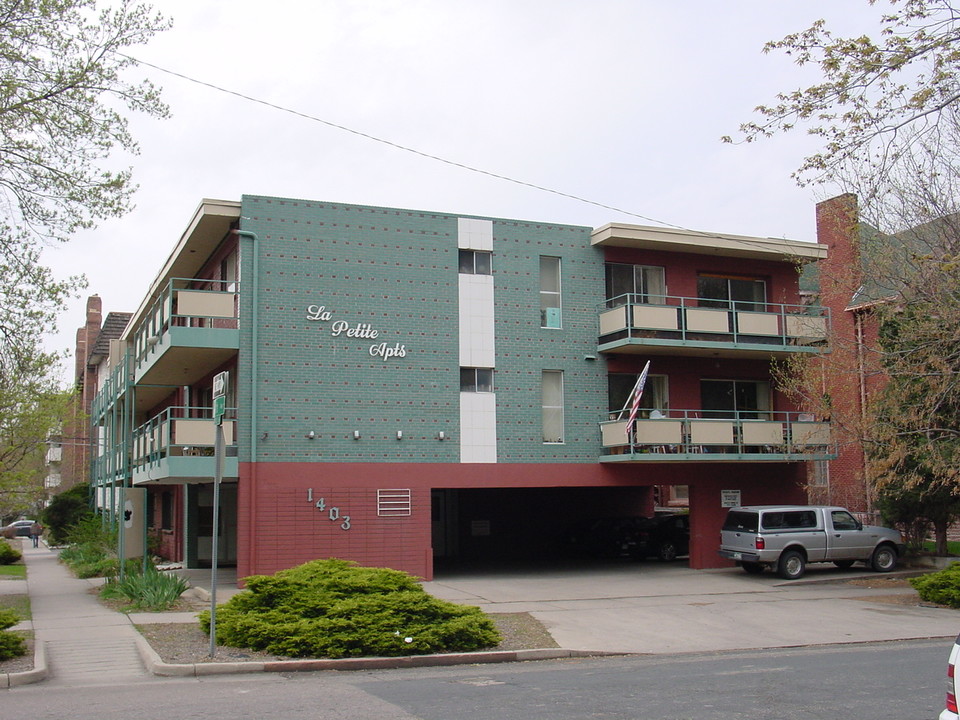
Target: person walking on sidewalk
36	530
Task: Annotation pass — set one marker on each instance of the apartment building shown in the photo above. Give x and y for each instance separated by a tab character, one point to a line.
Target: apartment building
405	388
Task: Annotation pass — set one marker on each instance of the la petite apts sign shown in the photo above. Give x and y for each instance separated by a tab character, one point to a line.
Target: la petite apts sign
356	331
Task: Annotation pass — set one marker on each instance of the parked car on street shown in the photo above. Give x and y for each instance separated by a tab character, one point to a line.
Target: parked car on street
951	712
665	537
787	537
18	528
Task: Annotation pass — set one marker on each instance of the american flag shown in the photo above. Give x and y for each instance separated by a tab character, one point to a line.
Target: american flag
636	394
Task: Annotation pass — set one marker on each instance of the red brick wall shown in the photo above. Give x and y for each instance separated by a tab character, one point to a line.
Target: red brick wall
280	524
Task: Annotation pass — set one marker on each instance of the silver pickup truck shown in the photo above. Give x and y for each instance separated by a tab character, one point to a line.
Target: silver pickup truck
787	537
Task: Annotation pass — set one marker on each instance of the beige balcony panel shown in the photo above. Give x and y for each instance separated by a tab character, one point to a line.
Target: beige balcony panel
655	317
806	328
815	433
707	320
205	304
711	432
751	323
200	432
659	432
613	433
614	320
762	433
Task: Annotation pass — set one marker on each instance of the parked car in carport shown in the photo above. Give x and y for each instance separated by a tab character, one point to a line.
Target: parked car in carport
664	536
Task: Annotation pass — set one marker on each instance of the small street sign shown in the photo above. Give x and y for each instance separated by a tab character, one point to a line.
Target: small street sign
220	396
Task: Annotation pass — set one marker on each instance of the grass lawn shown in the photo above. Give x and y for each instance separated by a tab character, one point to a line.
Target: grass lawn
20	604
17	572
953	548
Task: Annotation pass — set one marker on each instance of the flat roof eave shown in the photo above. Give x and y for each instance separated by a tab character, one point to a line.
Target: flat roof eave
706	243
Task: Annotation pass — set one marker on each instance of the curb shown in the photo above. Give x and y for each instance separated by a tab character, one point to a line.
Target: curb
28	677
157	666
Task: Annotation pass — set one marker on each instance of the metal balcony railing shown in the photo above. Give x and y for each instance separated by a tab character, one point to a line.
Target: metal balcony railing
669	319
185	303
706	435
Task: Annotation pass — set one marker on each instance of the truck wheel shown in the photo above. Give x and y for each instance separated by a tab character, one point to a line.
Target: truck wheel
667	551
791	565
752	568
844	564
884	558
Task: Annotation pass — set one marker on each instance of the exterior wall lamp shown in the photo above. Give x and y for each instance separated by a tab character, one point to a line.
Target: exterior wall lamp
356	434
311	435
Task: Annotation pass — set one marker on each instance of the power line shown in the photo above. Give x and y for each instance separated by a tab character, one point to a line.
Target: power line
438	158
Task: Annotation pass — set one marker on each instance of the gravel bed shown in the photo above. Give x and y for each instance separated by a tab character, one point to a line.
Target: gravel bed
185	643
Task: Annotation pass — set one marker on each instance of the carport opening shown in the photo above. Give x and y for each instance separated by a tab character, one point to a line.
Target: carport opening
516	527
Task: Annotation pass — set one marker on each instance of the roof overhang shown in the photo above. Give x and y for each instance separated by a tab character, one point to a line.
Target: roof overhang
209	225
706	243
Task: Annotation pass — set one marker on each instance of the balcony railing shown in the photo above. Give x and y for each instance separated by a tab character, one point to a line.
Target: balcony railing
631	319
179	443
185	308
704	435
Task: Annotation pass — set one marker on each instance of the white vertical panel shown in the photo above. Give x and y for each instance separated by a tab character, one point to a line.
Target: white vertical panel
478	411
478	427
474	234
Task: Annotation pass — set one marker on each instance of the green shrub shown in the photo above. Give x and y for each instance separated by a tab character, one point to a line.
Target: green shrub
941	587
11	644
8	554
66	510
151	590
333	608
90	551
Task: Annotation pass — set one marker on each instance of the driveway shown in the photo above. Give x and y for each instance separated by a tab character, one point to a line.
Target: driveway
668	608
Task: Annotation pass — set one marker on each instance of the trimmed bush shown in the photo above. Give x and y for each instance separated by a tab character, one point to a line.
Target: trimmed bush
941	587
8	554
334	608
11	645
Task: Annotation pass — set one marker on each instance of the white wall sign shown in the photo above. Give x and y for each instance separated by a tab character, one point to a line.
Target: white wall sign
360	331
729	498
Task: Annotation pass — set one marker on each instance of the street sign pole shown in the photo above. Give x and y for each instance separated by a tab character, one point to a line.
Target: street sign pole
219	402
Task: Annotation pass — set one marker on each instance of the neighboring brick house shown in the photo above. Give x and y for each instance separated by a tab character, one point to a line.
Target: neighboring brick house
407	387
848	283
92	345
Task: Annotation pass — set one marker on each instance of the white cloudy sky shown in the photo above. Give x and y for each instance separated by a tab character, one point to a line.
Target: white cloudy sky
619	101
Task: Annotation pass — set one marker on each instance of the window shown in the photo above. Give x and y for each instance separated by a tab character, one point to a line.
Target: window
552	401
743	399
619	387
820	477
476	380
550	292
475	262
166	510
634	283
228	273
736	293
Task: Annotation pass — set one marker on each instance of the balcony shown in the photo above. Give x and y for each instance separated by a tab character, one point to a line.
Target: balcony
177	446
703	436
188	330
679	325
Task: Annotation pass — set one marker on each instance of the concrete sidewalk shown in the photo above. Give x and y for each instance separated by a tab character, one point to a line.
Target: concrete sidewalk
650	608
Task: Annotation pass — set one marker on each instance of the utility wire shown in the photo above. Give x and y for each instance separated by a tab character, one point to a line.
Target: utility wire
437	158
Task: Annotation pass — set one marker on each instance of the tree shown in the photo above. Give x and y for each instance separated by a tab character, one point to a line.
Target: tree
62	92
63	95
877	97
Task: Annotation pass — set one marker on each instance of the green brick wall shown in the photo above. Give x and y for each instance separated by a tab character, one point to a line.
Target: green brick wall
395	271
